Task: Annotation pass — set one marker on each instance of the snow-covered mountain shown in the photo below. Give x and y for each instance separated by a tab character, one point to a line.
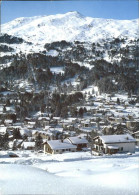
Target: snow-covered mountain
67	53
70	27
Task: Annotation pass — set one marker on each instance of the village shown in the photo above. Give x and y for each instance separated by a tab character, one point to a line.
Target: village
69	98
105	124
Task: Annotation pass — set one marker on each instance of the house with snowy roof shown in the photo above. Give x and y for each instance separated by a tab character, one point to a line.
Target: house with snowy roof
86	123
80	142
8	122
59	146
111	144
130	124
28	145
43	134
43	121
3	130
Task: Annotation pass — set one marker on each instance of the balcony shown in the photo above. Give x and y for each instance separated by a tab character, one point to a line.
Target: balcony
98	143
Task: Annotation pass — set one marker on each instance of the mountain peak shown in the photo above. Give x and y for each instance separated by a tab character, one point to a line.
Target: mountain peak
75	13
71	26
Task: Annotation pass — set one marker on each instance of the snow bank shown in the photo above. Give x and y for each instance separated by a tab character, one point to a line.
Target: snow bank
20	179
69	173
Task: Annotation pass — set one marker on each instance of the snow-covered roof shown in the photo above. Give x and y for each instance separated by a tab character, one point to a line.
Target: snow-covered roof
58	144
86	122
28	144
31	123
137	105
18	141
25	132
78	140
8	121
135	132
58	129
117	138
83	135
10	144
43	118
3	129
18	124
87	129
72	118
56	118
47	127
113	147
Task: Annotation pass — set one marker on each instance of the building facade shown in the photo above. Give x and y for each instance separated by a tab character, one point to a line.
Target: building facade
111	144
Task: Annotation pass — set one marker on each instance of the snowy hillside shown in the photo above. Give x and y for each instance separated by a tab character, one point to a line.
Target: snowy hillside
48	47
70	27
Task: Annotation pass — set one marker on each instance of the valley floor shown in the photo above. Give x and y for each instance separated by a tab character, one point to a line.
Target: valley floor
69	173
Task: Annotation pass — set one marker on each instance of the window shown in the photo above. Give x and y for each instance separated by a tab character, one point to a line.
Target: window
121	148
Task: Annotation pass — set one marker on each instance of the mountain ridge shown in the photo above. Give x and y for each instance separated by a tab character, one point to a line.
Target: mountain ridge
71	26
42	53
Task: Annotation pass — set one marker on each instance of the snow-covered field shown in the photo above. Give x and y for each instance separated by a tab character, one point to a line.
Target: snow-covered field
57	70
69	173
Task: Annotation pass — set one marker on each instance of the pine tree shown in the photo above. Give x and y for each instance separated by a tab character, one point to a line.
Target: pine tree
1	141
81	112
73	111
64	112
38	142
118	101
5	141
16	134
